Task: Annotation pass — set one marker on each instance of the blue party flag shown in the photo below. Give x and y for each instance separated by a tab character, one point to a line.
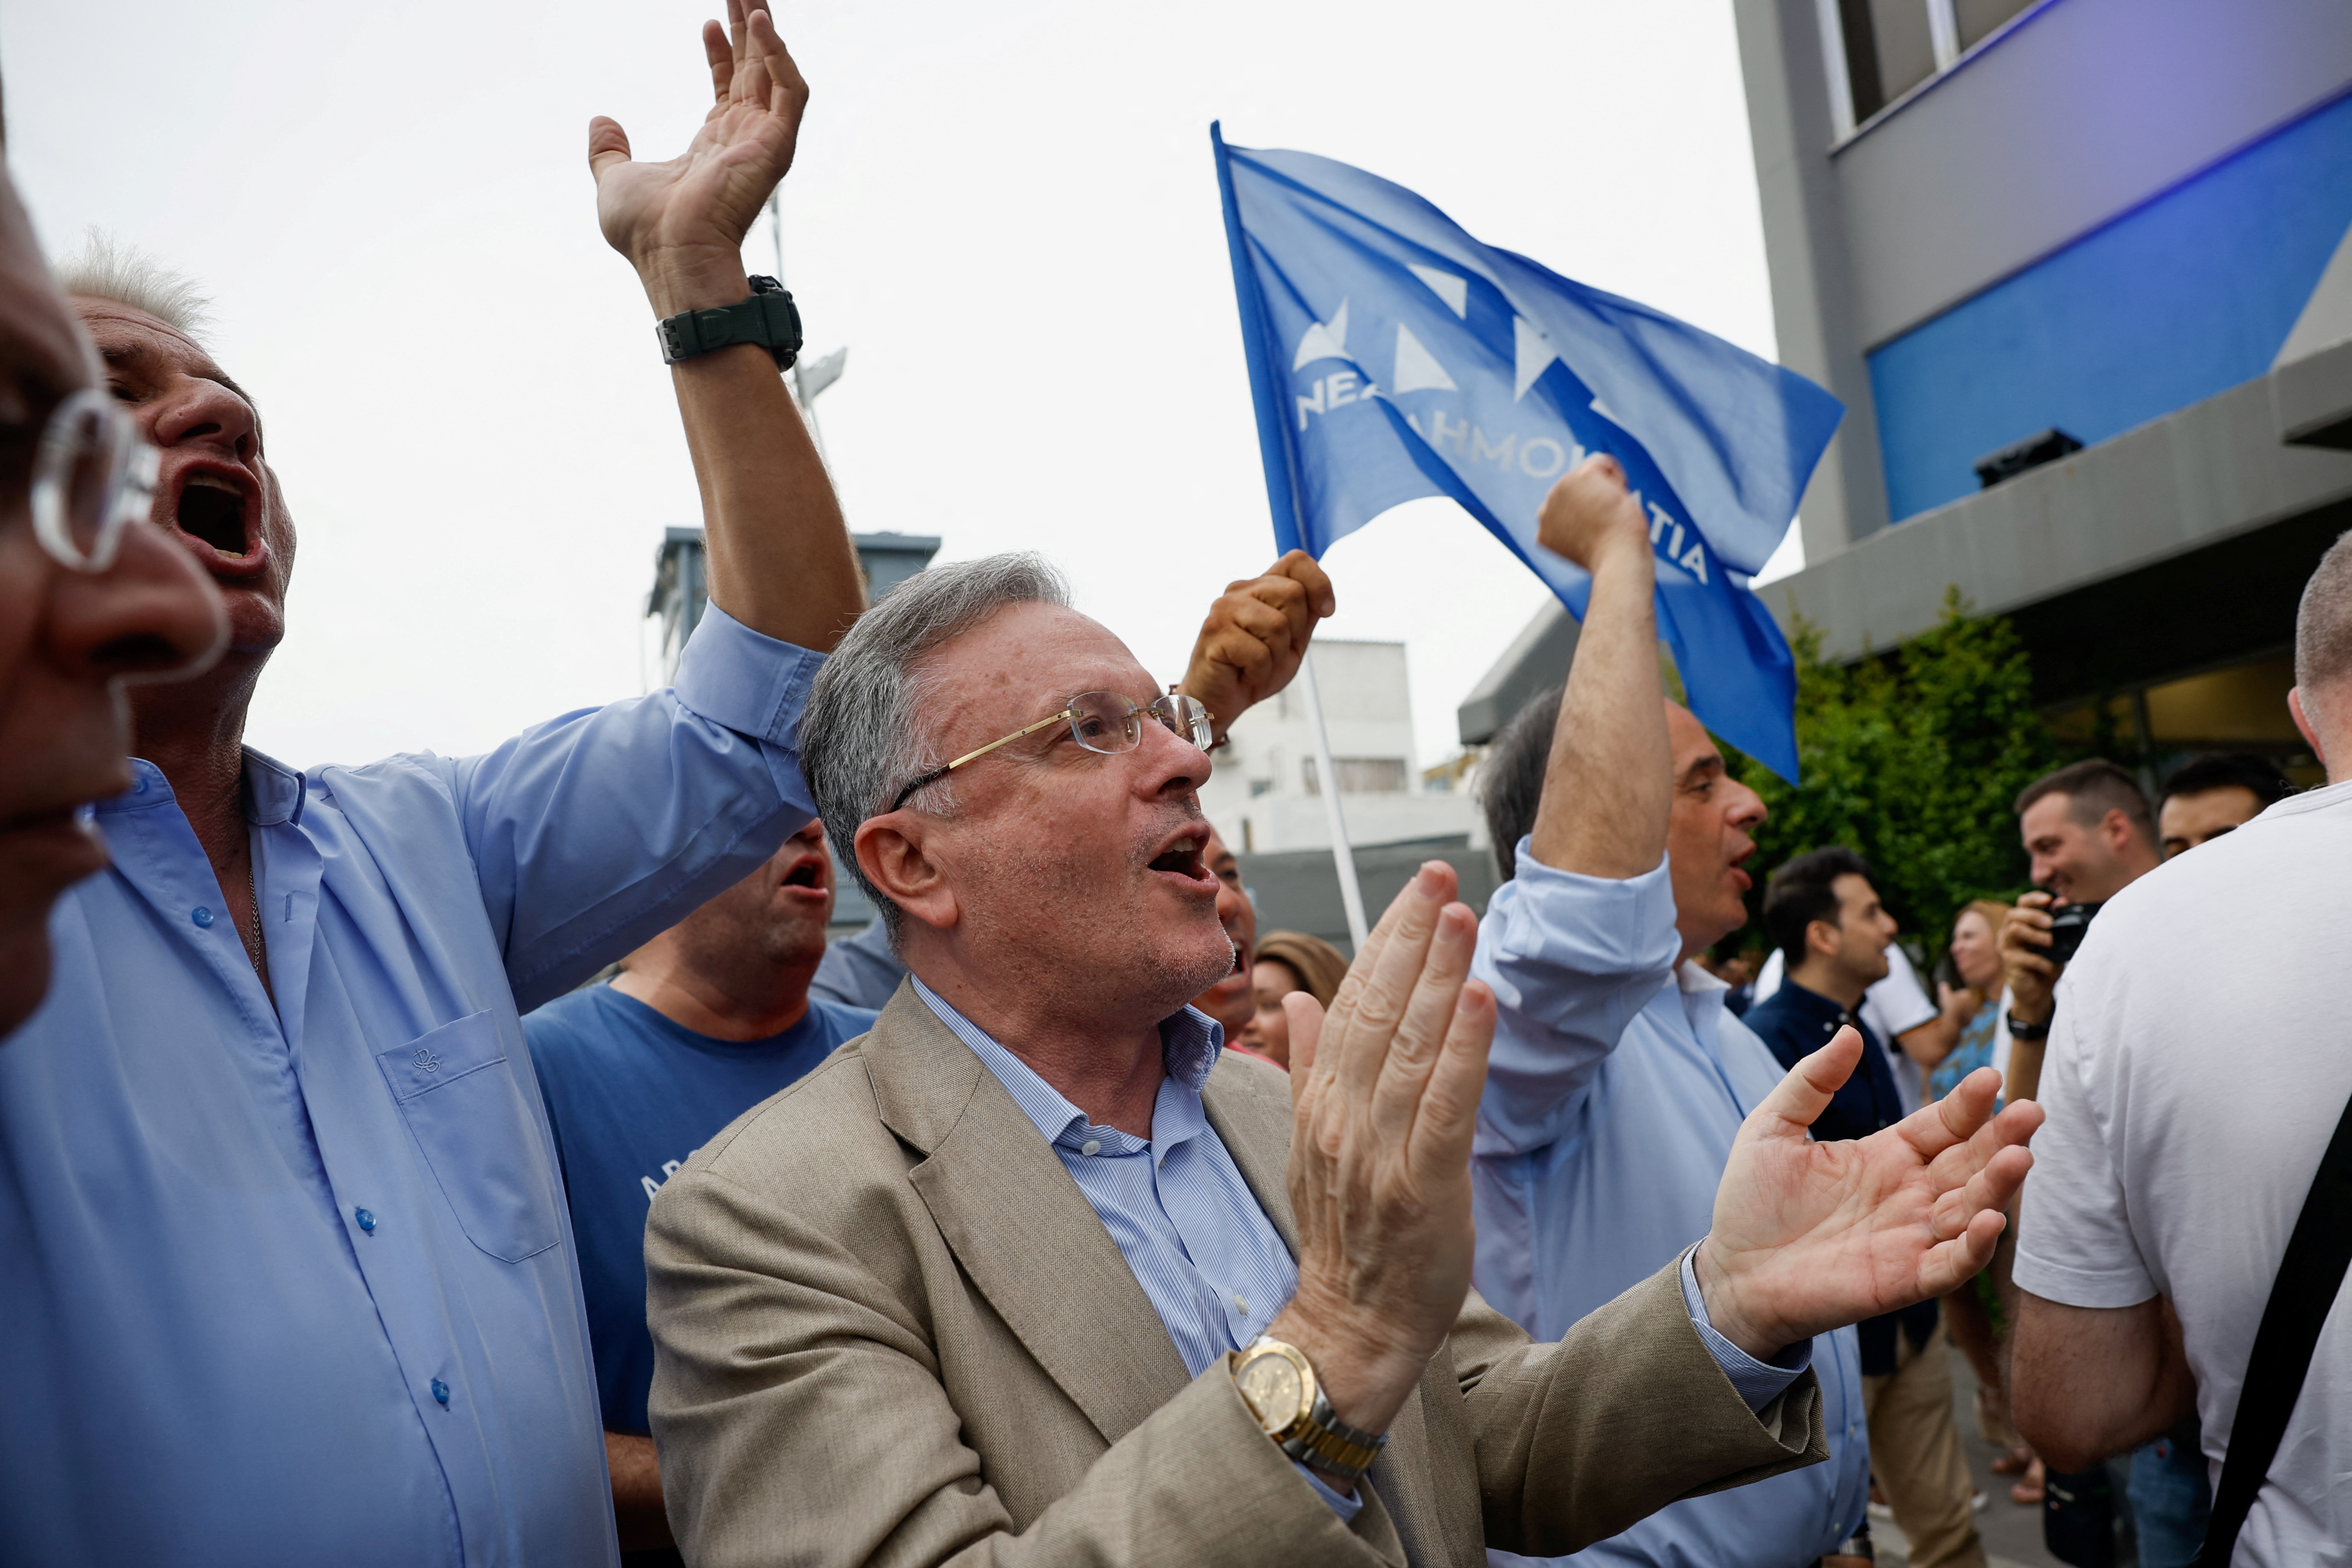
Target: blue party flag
1392	356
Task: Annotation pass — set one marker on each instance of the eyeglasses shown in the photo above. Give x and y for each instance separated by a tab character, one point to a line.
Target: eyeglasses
91	476
1100	721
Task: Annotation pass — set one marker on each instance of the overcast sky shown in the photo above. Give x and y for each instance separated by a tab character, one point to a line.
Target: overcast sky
1007	211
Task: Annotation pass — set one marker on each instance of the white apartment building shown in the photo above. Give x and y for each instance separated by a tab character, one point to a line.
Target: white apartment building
1266	794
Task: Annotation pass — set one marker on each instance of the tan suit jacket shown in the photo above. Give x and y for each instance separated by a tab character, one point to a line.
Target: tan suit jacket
890	1330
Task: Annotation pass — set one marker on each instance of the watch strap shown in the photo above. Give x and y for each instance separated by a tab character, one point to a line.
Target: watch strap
768	317
1325	1443
2019	1029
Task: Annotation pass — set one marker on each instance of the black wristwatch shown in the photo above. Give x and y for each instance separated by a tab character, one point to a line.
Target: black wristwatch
2019	1029
767	318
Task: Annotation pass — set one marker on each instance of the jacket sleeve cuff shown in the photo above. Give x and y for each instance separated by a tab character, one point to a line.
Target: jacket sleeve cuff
1759	1383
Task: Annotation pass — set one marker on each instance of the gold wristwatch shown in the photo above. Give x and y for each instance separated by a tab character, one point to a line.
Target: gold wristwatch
1278	1384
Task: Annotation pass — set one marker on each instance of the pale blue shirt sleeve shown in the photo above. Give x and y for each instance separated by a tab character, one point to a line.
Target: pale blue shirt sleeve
1573	960
594	831
1757	1382
1347	1508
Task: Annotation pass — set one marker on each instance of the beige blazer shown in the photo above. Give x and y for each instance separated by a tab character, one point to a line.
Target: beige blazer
890	1330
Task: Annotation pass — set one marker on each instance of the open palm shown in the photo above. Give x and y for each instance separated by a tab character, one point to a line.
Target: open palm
697	207
1811	1236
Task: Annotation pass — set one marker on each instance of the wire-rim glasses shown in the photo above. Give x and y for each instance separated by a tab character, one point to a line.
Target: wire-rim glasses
1101	721
92	475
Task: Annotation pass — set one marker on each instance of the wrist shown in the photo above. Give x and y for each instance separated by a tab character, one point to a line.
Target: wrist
1622	553
1366	1382
681	280
1727	1309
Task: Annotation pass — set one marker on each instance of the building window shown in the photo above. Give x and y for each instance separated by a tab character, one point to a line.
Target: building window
1880	49
1359	775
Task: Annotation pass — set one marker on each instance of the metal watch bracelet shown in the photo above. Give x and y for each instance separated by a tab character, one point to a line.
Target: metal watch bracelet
1332	1447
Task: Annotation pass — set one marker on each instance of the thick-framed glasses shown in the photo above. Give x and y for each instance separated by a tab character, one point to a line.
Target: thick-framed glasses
92	476
1100	721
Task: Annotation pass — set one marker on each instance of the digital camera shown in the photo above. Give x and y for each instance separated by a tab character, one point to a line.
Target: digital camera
2068	924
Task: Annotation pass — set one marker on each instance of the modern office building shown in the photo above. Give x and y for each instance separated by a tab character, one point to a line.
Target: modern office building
2081	272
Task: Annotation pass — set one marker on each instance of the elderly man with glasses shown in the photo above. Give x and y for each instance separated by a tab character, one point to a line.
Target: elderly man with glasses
85	601
289	1279
1034	1274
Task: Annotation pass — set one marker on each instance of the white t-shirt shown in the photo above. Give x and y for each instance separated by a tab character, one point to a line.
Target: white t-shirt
2196	1070
1891	1007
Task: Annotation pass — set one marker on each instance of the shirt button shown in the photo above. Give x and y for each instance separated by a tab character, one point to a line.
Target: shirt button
440	1390
200	915
1241	1303
1092	1146
366	1218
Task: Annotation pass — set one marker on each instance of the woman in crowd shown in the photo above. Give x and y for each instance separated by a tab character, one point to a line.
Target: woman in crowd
1287	961
1972	1313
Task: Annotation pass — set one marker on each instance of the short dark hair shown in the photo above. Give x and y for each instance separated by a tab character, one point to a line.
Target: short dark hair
2093	789
1805	891
1511	776
2227	770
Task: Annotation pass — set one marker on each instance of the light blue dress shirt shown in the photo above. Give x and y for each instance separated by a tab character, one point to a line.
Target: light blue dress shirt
1616	1086
294	1284
1209	1259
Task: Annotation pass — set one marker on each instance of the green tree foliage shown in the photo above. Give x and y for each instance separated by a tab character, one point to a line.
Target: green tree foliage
1912	760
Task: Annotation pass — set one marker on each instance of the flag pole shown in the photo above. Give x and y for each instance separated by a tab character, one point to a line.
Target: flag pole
1343	859
1282	489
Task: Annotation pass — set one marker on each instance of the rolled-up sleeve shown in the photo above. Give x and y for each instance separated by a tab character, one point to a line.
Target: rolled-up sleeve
1571	960
594	831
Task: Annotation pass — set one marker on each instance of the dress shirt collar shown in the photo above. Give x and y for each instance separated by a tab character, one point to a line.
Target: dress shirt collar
274	792
1188	1041
1809	1003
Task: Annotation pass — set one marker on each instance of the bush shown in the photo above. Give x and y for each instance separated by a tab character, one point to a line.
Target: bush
1912	760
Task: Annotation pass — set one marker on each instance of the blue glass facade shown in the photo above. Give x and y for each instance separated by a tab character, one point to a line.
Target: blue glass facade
2182	298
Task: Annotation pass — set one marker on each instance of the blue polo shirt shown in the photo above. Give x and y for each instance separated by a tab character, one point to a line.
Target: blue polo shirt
630	1095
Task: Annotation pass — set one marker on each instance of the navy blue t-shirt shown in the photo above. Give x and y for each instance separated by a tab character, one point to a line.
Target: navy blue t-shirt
632	1095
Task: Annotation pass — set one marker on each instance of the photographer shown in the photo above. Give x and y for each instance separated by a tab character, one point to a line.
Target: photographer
2090	834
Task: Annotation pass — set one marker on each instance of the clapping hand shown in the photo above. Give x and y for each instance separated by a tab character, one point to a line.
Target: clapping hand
1811	1236
682	223
1384	1096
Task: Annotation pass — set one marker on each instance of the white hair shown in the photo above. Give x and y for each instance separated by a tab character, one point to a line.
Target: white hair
106	269
863	735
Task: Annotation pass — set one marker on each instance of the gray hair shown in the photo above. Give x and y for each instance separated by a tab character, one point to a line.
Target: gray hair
862	735
2323	621
108	269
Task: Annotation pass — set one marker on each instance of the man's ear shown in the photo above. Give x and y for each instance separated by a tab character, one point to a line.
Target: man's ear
2303	723
1823	939
894	853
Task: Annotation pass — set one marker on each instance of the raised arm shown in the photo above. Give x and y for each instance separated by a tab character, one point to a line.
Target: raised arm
1254	635
1610	786
780	561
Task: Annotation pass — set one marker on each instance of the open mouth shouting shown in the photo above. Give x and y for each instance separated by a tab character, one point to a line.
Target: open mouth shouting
806	878
1184	859
220	507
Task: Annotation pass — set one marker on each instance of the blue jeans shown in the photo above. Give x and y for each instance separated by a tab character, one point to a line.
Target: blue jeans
2170	1499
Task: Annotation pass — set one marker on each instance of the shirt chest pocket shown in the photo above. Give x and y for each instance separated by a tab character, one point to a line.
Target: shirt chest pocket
468	1114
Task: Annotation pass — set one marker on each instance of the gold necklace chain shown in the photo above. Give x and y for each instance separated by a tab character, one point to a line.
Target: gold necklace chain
254	944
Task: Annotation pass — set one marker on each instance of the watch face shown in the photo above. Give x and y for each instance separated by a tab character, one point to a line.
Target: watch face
1273	1389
